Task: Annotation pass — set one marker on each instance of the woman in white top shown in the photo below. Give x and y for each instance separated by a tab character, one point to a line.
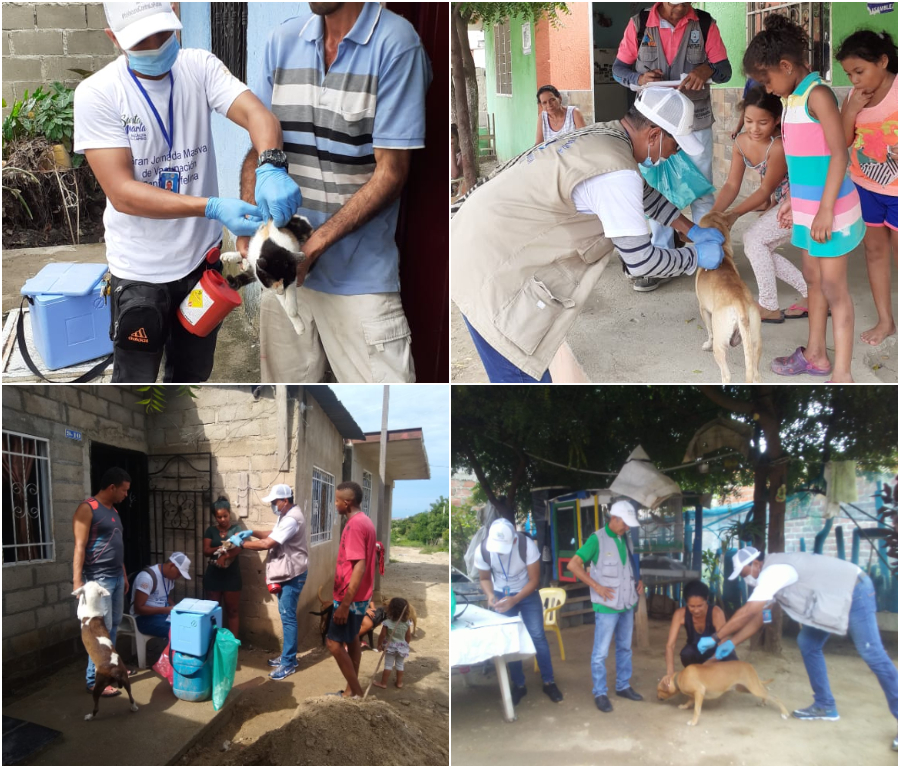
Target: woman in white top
555	119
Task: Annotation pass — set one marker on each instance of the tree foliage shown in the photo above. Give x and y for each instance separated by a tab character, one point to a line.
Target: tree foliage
491	13
427	527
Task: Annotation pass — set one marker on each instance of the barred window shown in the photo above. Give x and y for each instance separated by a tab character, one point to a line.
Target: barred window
815	18
228	36
367	492
27	533
503	58
322	506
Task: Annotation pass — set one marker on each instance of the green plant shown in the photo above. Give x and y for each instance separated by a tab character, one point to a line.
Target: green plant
48	113
9	170
155	401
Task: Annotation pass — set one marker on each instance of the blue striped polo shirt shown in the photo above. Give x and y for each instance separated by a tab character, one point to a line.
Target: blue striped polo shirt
373	96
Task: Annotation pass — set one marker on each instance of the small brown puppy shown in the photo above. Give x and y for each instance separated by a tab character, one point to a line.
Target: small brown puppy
729	312
711	680
111	670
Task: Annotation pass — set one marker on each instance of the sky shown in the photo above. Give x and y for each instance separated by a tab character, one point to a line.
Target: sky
411	405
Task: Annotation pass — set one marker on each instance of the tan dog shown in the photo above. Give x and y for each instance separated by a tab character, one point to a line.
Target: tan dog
709	681
729	312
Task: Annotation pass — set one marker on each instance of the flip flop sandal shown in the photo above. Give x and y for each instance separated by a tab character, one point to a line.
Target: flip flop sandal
796	364
801	312
775	320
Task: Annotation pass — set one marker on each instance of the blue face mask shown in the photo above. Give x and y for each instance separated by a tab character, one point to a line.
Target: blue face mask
156	62
647	162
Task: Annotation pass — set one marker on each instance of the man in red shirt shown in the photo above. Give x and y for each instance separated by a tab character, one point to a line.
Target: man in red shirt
354	578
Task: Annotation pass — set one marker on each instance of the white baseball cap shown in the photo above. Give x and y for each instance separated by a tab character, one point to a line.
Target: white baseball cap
500	537
182	563
280	491
672	111
741	559
624	510
133	22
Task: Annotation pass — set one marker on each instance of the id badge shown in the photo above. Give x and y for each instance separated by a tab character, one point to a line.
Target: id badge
767	616
170	181
506	591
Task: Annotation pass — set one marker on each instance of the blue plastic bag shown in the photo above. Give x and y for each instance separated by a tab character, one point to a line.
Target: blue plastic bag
678	179
225	656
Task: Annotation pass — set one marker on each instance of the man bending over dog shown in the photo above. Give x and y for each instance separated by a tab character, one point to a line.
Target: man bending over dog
100	554
826	596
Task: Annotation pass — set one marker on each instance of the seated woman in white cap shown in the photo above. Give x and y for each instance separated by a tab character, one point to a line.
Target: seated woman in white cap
509	566
153	594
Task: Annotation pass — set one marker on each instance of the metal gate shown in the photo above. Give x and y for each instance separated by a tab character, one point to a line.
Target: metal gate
180	504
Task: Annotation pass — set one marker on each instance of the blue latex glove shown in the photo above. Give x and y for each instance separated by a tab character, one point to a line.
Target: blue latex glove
237	540
705	643
709	255
700	234
277	196
231	213
244	535
723	650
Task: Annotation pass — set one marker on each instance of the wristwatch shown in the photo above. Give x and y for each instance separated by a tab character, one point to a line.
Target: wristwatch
275	157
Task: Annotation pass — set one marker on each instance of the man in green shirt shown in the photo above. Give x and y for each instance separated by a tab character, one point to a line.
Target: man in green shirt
614	594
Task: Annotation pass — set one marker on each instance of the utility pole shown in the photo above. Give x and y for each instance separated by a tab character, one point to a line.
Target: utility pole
383	525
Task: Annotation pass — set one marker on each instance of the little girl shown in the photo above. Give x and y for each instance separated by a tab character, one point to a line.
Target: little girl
870	127
827	220
759	147
394	641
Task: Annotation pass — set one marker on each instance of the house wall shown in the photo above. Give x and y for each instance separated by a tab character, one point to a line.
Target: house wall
563	57
461	489
356	466
40	630
42	41
515	116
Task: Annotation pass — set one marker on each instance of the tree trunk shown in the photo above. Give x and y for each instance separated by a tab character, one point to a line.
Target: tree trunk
471	85
458	39
760	497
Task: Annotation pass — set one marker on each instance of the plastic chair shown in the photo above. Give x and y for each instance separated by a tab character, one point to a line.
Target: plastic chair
138	639
553	598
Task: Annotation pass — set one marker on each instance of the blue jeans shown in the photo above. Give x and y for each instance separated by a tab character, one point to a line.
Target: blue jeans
497	367
531	609
288	600
605	625
155	624
866	638
112	615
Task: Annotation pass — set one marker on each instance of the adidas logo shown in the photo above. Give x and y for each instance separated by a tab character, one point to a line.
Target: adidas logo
139	335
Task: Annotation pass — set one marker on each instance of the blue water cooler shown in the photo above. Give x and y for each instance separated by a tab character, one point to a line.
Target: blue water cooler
193	631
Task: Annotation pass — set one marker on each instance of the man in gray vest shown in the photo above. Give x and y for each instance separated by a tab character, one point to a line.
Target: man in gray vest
286	566
662	43
826	596
614	593
530	244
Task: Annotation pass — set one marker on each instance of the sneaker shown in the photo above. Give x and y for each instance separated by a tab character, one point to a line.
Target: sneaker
817	713
276	662
646	284
553	692
283	671
517	692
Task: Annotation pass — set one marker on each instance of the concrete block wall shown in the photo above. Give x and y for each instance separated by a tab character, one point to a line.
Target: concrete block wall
42	41
461	489
40	630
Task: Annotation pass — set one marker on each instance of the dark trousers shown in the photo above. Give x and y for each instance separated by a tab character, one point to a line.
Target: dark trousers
145	324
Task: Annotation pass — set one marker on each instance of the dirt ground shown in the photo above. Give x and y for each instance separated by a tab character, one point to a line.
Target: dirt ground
292	723
732	729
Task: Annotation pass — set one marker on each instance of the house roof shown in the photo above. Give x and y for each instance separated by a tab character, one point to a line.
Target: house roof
335	410
406	457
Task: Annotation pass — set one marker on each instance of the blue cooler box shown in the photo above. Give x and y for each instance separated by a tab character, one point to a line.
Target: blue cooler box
69	316
192	676
192	623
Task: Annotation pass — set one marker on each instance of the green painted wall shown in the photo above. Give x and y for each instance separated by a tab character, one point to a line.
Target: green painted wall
516	115
845	19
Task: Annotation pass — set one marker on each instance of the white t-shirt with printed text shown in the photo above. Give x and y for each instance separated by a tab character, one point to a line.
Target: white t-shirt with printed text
156	598
509	570
111	112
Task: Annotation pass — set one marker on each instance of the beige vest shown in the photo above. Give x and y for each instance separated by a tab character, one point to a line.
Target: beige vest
523	260
285	561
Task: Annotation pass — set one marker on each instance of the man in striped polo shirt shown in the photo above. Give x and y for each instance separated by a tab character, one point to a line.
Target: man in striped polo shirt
348	82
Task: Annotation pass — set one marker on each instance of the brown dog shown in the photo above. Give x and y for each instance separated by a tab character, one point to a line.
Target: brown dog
709	681
729	312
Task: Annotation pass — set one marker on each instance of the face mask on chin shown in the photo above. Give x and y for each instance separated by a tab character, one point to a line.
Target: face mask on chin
647	162
750	579
156	62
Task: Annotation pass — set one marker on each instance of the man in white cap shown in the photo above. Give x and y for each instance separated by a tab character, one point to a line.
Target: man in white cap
614	594
530	244
826	596
153	595
286	568
143	123
509	566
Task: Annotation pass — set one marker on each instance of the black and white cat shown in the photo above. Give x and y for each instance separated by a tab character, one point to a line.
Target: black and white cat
272	258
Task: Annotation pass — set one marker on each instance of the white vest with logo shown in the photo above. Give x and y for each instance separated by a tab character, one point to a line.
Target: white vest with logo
610	571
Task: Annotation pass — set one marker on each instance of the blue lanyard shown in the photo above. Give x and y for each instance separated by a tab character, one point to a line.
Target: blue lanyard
508	565
169	135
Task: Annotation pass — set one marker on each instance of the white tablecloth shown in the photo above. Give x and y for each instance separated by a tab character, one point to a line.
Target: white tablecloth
481	635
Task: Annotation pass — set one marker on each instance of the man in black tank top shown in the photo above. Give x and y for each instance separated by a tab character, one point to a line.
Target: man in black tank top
100	553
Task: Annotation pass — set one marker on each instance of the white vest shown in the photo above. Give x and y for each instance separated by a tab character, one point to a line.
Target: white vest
610	571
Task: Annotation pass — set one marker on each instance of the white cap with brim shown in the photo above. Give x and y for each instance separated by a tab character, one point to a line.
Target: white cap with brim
741	559
500	537
279	491
672	111
183	563
625	511
133	22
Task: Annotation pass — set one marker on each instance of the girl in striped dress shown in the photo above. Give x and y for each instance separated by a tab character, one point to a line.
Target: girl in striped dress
824	203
